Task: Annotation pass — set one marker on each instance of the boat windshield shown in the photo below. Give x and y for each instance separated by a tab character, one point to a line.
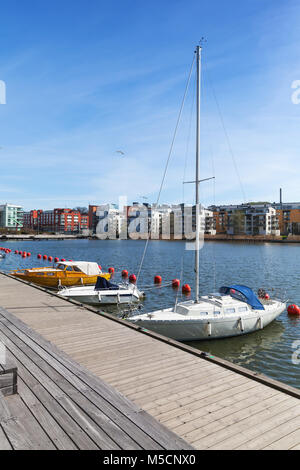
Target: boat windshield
60	266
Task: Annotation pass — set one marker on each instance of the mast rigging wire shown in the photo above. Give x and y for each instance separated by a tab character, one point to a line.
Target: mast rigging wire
168	159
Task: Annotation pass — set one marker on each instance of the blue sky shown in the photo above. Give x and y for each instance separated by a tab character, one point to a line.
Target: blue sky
87	78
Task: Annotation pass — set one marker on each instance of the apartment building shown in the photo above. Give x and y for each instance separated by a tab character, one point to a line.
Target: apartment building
11	216
68	221
247	219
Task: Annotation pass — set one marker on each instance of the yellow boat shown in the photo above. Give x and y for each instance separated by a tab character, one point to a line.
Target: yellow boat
65	273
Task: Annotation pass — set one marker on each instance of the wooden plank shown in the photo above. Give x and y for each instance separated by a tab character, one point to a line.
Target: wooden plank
97	425
130	427
145	422
67	382
196	410
53	428
4	442
238	434
20	427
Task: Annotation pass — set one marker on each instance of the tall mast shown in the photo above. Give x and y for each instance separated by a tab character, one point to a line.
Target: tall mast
198	52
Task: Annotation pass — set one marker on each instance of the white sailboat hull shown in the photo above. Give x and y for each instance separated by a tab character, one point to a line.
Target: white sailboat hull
193	328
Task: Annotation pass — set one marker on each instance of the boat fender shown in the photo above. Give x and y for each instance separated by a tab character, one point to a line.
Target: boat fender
186	289
293	309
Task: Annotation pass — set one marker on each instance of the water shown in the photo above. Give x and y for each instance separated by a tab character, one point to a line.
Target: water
274	267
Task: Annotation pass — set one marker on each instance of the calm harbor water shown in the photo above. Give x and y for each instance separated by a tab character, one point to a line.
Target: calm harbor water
274	267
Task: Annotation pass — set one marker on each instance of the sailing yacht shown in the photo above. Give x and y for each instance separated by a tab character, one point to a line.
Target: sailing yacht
234	310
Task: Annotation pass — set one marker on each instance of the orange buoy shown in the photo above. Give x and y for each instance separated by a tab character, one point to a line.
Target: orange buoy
111	270
186	289
132	278
124	273
175	283
293	309
157	279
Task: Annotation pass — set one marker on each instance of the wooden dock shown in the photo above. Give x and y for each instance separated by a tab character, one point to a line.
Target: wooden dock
155	391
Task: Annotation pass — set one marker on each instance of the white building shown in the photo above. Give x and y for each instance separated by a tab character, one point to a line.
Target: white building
11	216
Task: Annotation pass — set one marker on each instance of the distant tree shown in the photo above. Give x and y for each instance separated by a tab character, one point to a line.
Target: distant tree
82	210
238	219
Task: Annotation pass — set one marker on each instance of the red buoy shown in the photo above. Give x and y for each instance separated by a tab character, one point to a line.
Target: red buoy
175	283
39	256
28	254
111	270
24	254
50	258
293	309
45	257
124	273
62	259
132	278
56	260
20	253
267	297
186	289
157	279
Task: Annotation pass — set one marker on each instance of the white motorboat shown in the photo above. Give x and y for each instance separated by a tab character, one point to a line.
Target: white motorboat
236	310
103	293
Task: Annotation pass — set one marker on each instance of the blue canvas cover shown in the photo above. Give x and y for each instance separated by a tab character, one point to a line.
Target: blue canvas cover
243	293
103	283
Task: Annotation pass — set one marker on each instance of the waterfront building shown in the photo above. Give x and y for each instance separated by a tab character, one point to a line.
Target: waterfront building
107	219
68	221
246	219
92	219
288	217
11	216
138	220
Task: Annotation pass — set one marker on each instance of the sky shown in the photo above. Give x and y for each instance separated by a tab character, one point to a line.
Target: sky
87	79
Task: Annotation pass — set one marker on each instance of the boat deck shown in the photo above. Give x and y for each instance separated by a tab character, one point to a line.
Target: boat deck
208	402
